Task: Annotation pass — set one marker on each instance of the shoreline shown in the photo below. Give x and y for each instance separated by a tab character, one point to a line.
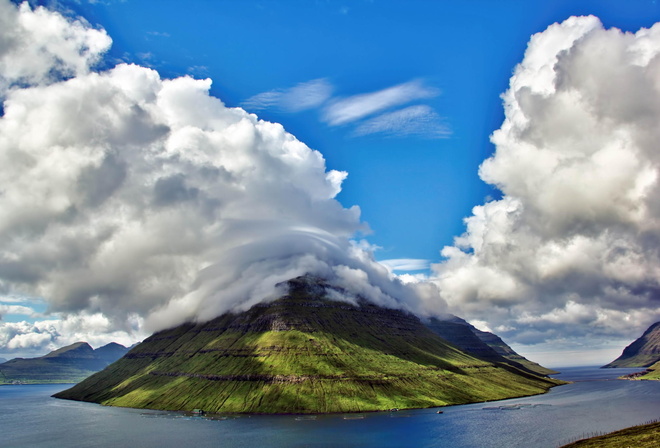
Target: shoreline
204	413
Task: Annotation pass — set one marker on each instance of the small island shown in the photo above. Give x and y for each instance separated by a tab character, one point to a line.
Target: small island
305	354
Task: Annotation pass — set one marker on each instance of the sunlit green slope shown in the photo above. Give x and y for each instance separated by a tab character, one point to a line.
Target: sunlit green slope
302	354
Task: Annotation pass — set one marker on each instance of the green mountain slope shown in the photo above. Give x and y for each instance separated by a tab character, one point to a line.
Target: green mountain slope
482	344
65	365
643	352
302	354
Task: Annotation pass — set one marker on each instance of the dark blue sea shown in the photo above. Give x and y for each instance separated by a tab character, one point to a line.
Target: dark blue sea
595	403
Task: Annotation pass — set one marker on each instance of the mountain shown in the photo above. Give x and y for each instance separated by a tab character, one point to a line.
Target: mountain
482	344
303	353
111	352
68	364
644	352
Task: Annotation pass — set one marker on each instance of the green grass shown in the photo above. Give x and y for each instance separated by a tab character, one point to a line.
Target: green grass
644	436
653	372
334	358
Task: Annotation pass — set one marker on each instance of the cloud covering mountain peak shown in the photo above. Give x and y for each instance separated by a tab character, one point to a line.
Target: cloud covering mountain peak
148	200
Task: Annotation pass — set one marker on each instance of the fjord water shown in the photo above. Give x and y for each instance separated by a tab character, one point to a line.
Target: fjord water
595	403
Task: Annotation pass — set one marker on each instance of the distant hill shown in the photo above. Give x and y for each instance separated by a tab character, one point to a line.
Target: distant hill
644	352
303	353
482	344
3	360
69	364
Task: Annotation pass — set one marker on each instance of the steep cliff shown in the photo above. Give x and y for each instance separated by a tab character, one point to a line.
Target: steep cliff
643	352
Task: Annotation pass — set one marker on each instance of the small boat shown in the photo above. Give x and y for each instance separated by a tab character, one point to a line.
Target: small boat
440	412
305	417
198	412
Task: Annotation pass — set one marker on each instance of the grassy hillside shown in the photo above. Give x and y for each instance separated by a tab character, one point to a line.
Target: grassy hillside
302	354
644	436
69	364
652	373
643	352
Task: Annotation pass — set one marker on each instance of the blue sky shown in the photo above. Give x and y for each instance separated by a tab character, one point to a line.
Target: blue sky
547	236
413	190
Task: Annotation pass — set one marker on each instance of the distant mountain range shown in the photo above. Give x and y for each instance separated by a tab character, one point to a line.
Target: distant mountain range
305	353
69	364
643	352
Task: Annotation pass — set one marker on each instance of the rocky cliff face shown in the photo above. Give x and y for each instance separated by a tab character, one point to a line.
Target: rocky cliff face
643	352
302	353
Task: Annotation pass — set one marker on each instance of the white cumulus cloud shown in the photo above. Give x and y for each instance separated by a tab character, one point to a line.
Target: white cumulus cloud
572	248
39	46
30	339
131	198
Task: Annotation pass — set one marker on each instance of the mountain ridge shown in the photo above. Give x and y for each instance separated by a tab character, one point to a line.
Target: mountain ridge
482	344
642	352
69	364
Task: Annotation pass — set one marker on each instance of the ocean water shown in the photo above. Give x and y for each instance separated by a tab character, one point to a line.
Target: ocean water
594	403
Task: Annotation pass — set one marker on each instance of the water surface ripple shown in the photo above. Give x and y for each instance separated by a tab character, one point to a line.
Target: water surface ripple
595	403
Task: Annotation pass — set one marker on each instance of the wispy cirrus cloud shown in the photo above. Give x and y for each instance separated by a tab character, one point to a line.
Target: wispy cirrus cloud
378	112
158	34
406	264
356	107
420	120
307	95
263	100
303	96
